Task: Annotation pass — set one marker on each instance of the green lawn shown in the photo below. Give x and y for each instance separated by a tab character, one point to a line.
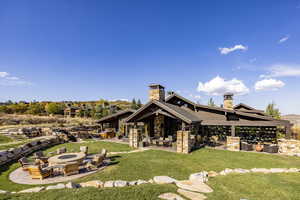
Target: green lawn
5	139
146	165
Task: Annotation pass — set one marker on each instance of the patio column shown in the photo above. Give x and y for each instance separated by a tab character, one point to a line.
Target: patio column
134	137
183	142
233	131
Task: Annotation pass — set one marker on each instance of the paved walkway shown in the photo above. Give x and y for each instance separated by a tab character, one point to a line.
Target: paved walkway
22	177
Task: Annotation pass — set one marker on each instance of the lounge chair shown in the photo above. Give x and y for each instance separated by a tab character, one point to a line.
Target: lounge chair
25	163
37	173
71	168
97	160
103	153
61	150
40	155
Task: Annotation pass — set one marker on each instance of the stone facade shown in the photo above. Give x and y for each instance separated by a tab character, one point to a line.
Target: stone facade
184	142
134	137
233	143
159	125
157	93
289	147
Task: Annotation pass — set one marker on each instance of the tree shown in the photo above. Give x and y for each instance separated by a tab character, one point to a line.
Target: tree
133	104
35	109
139	104
211	102
272	111
55	108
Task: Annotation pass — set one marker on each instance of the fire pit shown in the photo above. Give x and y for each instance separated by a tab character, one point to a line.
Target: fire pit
65	158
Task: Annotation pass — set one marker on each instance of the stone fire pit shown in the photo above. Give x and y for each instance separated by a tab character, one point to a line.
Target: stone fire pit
65	158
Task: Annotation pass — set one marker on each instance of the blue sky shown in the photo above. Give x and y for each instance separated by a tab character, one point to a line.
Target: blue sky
87	50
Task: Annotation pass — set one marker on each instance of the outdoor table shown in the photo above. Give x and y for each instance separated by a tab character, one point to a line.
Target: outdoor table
66	158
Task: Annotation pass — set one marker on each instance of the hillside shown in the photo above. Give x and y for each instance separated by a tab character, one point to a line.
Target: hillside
295	119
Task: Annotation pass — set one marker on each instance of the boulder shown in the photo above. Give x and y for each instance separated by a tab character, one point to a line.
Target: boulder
191	195
139	182
4	192
132	183
109	184
194	187
212	174
241	171
72	185
278	170
120	183
164	180
96	184
199	177
30	190
260	170
55	187
170	196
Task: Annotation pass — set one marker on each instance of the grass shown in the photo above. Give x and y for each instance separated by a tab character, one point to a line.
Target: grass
146	165
5	139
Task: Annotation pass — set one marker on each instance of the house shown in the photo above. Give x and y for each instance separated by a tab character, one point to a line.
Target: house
189	124
77	111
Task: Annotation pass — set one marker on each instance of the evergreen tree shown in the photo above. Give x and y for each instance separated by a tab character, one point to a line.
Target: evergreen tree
139	104
211	102
272	111
133	104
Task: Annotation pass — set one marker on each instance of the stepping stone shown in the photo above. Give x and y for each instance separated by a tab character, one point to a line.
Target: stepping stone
139	182
72	185
109	184
260	170
133	183
164	180
55	187
30	190
170	196
212	174
4	192
120	183
191	195
199	177
278	170
194	187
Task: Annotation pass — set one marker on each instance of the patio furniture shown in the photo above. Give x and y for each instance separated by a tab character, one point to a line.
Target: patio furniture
71	168
36	172
25	163
103	153
246	147
259	147
161	141
271	148
40	155
97	160
61	150
84	149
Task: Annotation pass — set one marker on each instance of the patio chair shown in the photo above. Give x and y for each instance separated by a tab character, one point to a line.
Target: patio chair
103	153
61	150
40	155
36	172
161	141
25	163
97	160
71	168
84	149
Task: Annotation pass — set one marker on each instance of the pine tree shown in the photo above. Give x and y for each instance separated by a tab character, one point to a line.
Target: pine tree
133	104
272	111
211	102
139	104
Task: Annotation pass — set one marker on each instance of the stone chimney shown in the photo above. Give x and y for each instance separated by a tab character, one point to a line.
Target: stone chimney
228	100
156	92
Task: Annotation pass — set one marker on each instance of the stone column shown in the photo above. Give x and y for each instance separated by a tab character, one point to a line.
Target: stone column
233	131
183	142
233	143
159	126
134	137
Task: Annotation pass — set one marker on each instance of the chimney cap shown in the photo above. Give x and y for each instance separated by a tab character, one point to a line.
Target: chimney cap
155	85
228	94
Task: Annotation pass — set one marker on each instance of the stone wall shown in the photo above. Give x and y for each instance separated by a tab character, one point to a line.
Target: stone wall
13	154
289	147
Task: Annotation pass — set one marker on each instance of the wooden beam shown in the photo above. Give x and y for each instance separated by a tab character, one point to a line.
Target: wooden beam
233	131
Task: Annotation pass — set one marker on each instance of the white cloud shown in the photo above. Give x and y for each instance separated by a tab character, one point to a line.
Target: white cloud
195	96
225	50
219	86
282	71
3	74
284	39
12	78
268	84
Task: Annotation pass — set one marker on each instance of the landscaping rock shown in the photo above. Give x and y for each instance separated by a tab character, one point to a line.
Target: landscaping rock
56	187
212	174
96	184
260	170
139	182
293	170
199	177
241	171
133	183
120	183
151	181
278	170
4	192
109	184
170	196
226	171
163	180
191	195
194	187
72	185
30	190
